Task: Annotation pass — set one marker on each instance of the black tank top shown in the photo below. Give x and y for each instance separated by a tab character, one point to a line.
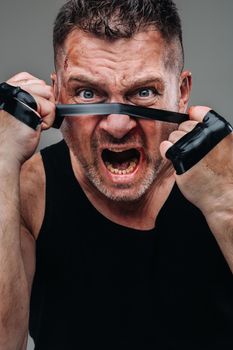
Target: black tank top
100	285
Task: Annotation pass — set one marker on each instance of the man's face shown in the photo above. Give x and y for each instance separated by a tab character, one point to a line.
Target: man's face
117	154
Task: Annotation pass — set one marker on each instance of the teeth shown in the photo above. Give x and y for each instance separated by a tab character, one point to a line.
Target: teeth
129	170
116	150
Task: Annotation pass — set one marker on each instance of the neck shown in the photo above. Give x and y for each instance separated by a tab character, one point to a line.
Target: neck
140	214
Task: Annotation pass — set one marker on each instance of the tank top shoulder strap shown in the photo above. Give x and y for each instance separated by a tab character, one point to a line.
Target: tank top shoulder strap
59	176
56	158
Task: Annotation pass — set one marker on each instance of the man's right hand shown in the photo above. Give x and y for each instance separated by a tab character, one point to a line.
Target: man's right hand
17	140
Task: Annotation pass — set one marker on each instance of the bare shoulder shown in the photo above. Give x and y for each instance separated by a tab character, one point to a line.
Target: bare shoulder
32	194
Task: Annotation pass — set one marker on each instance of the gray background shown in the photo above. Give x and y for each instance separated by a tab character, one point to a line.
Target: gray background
26	45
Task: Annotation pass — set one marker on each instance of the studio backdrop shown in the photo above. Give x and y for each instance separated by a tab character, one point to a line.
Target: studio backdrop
26	45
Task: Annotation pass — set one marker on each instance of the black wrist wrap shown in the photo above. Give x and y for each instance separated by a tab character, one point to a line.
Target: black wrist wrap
193	146
19	104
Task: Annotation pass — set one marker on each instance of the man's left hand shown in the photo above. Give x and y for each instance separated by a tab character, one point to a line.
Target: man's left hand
209	183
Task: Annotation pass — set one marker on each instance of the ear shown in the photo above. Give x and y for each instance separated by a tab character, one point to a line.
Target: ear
53	77
185	87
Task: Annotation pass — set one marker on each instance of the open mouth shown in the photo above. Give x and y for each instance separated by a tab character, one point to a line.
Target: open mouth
121	162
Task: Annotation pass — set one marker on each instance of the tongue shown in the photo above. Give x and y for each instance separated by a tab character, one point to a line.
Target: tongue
121	166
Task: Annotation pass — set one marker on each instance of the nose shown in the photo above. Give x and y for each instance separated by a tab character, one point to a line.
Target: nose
117	125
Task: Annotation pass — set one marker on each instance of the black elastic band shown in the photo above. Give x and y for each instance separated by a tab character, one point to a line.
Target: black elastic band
116	108
193	146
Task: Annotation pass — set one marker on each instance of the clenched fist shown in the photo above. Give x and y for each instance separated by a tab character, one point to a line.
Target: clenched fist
209	183
17	140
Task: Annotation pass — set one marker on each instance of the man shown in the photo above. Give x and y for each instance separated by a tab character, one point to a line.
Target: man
97	240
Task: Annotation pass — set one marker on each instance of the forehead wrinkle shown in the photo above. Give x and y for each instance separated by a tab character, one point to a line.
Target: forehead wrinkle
110	65
87	51
101	59
80	43
103	69
127	83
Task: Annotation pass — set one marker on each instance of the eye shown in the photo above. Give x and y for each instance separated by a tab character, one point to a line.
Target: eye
86	94
146	92
144	96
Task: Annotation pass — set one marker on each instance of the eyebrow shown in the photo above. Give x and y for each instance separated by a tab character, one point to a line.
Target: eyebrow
83	79
132	84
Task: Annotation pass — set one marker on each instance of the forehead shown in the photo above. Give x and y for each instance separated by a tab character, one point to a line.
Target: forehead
143	53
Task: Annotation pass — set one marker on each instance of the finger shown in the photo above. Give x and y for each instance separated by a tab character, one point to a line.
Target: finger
40	90
46	110
37	87
48	121
175	136
188	125
26	82
21	76
164	146
198	112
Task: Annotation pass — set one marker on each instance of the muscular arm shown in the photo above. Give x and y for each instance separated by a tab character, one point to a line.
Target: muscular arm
220	221
18	251
17	246
209	184
18	205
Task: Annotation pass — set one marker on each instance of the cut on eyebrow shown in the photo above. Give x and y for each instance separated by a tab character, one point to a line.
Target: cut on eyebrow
132	84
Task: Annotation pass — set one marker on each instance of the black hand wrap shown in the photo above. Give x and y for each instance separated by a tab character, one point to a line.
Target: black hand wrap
193	146
19	104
